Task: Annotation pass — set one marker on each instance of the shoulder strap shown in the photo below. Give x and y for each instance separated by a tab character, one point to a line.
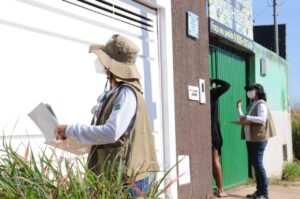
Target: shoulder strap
263	102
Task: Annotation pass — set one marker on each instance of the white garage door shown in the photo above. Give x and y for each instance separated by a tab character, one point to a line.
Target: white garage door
44	58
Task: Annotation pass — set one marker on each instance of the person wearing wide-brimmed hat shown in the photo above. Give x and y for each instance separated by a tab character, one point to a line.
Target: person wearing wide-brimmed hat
120	126
257	129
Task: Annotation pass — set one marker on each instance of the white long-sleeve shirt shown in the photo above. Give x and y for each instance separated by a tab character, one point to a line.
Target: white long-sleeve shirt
261	118
119	121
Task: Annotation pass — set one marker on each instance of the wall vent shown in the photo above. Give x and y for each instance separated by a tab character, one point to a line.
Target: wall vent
116	11
285	153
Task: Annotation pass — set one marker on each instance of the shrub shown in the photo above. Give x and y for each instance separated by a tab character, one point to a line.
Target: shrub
296	132
58	177
291	172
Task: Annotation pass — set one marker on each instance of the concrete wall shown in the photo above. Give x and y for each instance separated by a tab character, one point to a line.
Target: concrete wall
273	159
276	85
193	135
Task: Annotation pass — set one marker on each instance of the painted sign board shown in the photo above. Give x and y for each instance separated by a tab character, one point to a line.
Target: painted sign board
232	20
192	25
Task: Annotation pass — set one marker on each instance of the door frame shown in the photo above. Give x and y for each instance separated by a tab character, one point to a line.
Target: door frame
165	43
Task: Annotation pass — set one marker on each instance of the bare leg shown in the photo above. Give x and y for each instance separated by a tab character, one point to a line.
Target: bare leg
217	172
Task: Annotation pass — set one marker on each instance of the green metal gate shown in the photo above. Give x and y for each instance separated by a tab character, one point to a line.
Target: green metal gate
231	68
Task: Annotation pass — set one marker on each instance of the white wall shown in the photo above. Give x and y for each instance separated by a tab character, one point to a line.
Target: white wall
273	157
44	58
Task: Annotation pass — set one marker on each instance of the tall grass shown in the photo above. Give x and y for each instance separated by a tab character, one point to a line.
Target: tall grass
291	172
296	131
29	176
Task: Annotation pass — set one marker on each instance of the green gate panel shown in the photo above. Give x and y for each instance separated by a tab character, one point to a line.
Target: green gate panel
231	68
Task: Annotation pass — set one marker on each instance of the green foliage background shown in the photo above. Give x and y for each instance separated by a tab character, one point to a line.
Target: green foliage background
296	132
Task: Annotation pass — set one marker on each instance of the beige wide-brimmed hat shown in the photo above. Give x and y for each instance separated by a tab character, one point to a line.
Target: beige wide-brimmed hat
118	56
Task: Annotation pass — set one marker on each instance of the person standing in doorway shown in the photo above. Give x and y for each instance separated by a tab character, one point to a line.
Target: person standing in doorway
219	87
258	126
120	127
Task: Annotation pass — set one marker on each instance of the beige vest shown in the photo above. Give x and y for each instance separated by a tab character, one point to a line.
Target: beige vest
261	132
135	148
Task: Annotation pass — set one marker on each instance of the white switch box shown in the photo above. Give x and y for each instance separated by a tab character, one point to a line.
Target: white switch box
202	96
193	93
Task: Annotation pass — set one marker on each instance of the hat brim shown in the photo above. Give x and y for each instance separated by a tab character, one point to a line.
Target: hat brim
120	69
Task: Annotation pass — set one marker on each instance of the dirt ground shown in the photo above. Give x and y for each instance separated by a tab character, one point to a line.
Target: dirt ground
276	191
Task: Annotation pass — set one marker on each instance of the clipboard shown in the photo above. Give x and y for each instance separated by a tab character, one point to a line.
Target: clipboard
241	123
43	116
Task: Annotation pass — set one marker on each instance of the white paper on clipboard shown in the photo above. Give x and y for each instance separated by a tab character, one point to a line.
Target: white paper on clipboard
44	117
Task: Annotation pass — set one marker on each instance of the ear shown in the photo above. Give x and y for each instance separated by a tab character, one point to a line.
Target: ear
257	91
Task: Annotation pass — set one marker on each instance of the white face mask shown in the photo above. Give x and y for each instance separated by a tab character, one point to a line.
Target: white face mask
99	67
251	94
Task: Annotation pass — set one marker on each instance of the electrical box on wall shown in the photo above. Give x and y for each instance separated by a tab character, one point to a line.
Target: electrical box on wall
184	169
263	67
202	96
193	93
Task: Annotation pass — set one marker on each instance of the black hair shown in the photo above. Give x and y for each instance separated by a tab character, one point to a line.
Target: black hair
261	94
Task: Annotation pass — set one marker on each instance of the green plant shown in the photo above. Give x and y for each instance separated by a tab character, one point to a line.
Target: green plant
280	182
291	172
59	177
296	132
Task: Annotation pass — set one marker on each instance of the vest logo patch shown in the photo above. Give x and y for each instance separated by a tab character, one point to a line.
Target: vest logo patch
117	107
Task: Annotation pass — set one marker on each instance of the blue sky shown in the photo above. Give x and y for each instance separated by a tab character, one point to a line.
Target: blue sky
288	13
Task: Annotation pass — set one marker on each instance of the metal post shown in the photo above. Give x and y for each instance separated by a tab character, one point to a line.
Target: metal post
275	26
